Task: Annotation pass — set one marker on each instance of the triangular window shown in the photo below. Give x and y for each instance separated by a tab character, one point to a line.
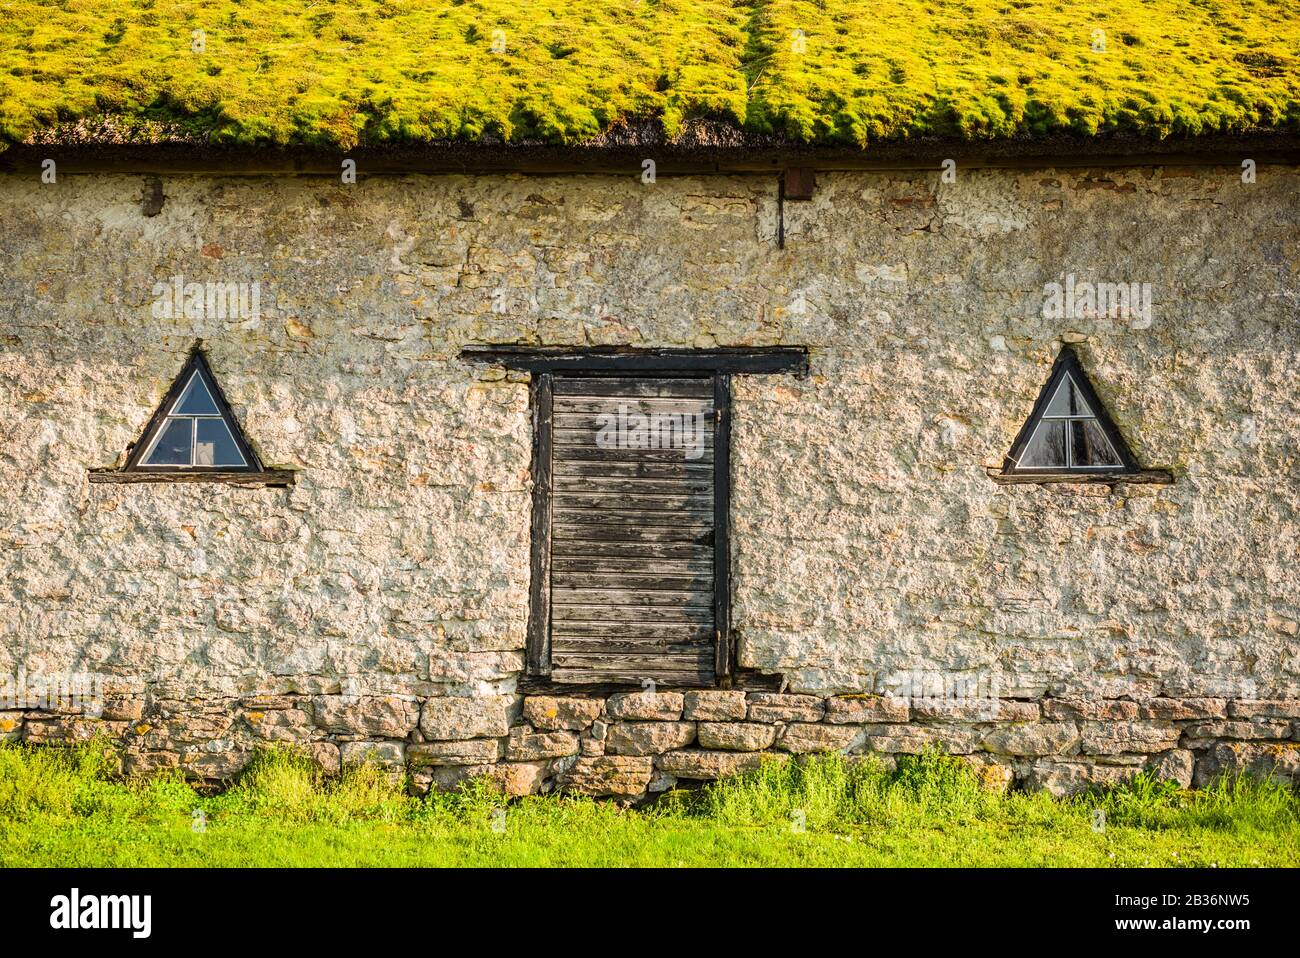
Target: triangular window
193	428
1069	431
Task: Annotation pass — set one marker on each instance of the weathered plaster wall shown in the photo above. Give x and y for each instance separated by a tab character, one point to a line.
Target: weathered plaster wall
868	540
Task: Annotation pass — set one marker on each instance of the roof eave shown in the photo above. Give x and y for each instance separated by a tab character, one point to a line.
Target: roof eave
748	155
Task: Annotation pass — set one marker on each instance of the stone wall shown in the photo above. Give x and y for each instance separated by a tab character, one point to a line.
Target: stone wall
378	606
631	745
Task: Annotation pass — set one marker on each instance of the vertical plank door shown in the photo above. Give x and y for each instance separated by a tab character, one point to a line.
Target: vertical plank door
632	530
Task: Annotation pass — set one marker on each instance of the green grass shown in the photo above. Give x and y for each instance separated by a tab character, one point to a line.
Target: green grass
64	807
337	73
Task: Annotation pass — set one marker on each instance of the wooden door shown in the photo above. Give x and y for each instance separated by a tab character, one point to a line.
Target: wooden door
632	530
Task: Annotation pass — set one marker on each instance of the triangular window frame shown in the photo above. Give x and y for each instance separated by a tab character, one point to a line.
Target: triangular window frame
195	366
1067	365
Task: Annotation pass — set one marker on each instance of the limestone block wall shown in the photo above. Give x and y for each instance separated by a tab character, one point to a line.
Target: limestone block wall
377	607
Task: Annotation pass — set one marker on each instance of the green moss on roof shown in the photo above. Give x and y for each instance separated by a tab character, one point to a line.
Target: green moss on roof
335	73
873	71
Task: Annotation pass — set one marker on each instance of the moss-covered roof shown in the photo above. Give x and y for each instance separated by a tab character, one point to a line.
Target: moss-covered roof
341	73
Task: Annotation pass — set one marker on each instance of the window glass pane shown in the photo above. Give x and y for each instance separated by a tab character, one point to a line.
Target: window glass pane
173	446
215	445
196	400
1067	401
1046	448
1090	445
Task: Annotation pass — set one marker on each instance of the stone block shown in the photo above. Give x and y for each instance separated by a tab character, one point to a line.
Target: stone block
447	778
1265	708
621	776
377	716
1064	779
863	709
385	755
1275	760
804	737
1036	739
218	764
974	710
1181	709
774	707
1109	738
280	725
145	764
992	774
702	765
526	746
736	736
122	709
453	718
1174	766
648	706
715	706
1091	710
516	779
556	713
473	752
68	730
326	755
648	738
1203	734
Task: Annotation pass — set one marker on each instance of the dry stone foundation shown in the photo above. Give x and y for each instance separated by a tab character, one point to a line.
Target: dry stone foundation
634	744
376	609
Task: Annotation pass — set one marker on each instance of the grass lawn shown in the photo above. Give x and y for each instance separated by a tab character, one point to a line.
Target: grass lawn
62	807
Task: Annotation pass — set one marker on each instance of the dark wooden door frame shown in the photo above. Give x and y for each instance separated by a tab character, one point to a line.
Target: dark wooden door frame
725	647
537	653
626	361
720	364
